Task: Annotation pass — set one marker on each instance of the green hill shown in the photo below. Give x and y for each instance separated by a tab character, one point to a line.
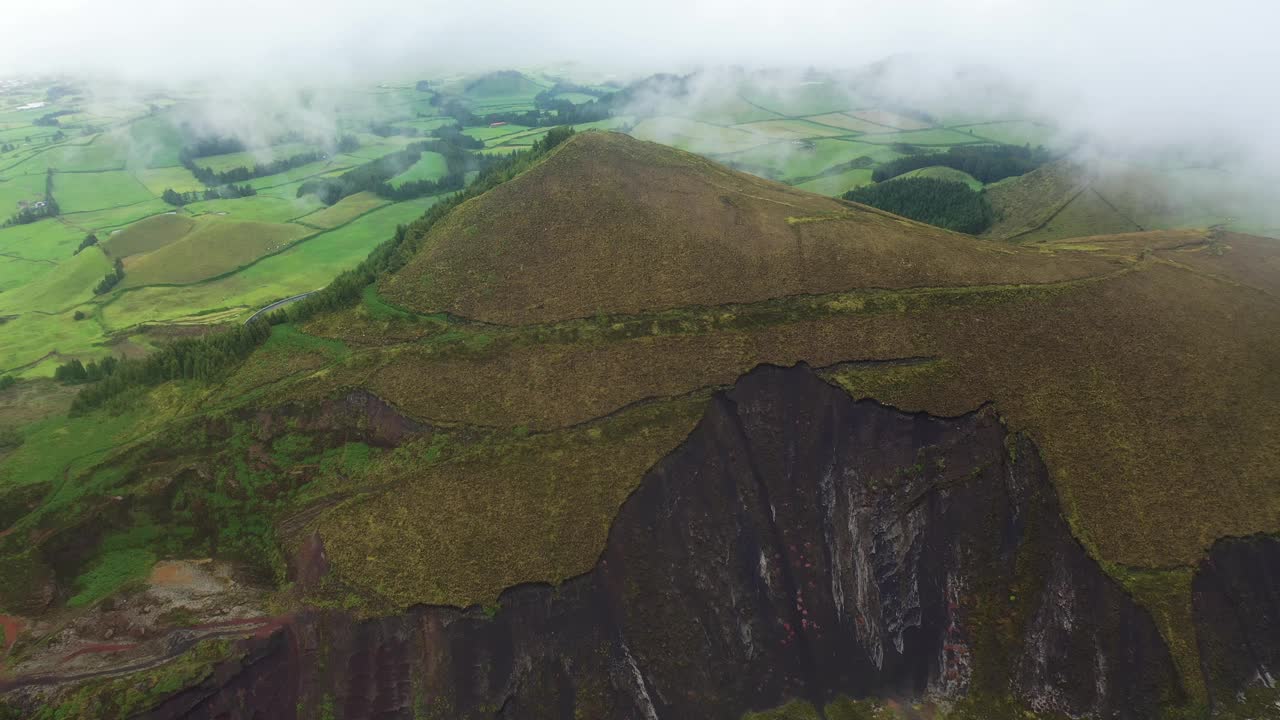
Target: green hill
502	84
609	224
473	420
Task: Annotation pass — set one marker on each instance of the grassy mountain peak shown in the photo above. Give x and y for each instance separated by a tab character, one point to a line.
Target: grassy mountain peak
610	224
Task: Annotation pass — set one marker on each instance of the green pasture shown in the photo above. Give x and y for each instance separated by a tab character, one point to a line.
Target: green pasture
726	110
19	188
431	166
16	272
61	288
890	119
115	217
83	192
249	158
272	182
696	136
575	98
214	246
31	336
309	265
48	240
791	163
838	184
157	180
155	141
263	207
104	152
942	172
344	211
1014	132
790	129
147	235
807	98
934	137
487	134
848	122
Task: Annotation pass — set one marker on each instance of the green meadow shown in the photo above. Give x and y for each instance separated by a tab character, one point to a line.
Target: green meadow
215	246
306	266
431	166
85	192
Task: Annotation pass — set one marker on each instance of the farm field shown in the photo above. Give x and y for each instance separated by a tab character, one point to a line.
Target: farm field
19	189
727	109
839	184
806	98
486	134
213	247
431	166
85	192
115	216
48	241
32	336
263	207
101	152
848	122
148	235
344	211
1014	132
790	129
157	180
16	271
941	172
694	136
255	156
306	266
932	137
796	164
890	119
59	289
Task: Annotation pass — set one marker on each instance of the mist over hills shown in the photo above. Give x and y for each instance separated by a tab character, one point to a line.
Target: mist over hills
722	361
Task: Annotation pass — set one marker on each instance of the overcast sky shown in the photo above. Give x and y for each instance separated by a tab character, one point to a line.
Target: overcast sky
1166	37
1140	70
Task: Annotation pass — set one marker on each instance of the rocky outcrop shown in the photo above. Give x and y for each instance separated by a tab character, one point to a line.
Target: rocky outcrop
1236	600
797	545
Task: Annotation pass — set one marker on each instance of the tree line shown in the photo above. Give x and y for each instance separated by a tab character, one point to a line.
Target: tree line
37	211
226	192
204	359
987	163
944	203
111	279
241	174
375	176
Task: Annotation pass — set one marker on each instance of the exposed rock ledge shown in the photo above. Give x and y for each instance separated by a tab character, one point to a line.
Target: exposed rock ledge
797	545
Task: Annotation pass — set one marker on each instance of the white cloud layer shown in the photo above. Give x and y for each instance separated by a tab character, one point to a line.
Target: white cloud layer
1130	73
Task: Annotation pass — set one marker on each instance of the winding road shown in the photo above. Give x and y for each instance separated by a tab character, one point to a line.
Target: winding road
280	304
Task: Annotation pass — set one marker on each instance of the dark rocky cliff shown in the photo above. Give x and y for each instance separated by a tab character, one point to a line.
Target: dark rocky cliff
797	545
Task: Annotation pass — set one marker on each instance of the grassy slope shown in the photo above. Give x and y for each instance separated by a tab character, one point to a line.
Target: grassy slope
306	266
538	249
344	211
148	235
1140	364
942	172
1024	204
215	246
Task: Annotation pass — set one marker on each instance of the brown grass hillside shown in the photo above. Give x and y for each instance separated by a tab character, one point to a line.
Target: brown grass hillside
610	224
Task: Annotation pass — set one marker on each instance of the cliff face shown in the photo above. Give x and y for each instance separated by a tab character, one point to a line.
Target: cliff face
1236	600
797	545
